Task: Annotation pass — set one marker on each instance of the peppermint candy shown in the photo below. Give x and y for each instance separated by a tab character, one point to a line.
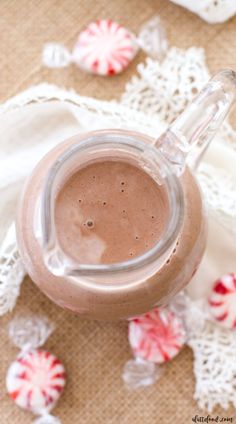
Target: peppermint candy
222	301
106	48
157	336
36	379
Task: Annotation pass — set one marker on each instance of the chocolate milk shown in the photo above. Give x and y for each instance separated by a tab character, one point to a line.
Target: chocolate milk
109	212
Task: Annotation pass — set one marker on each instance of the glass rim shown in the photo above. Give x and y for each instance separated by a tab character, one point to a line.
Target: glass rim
124	138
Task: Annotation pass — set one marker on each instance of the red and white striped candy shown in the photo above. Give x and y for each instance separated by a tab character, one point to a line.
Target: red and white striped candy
222	301
104	48
35	380
157	336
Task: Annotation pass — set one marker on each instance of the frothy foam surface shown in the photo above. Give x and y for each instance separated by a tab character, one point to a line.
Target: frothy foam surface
109	212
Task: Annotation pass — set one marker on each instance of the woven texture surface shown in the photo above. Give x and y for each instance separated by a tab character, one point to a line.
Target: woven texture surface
94	353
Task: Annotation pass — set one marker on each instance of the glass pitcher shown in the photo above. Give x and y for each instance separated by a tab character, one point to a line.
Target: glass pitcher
133	286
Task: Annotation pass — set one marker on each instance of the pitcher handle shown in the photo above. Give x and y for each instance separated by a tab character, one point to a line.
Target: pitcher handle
191	133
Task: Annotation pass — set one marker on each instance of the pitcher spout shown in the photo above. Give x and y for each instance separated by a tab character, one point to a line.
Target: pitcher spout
188	137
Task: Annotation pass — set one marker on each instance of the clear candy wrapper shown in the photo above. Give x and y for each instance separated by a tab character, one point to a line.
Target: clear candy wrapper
106	48
193	314
30	332
36	379
139	373
47	419
155	338
152	39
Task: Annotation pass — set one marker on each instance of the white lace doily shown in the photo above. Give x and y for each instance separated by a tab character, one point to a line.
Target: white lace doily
151	101
164	90
212	11
214	351
12	272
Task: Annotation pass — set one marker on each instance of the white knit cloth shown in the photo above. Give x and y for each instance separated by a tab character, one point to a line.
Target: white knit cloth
212	11
151	101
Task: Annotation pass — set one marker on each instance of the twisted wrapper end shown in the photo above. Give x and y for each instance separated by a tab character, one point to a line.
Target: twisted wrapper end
55	55
47	419
29	332
152	39
140	373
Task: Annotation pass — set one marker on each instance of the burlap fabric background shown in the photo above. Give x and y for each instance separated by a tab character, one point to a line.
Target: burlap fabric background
94	353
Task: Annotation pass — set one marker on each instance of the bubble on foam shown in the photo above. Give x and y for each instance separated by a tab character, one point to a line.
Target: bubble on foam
89	223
